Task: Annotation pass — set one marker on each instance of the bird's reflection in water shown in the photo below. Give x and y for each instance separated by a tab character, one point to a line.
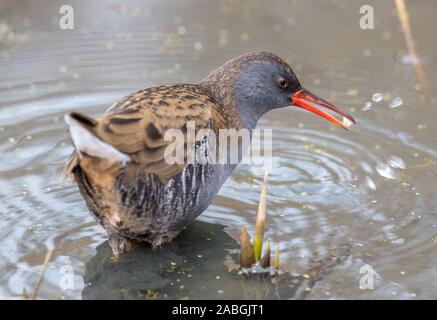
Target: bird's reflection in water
194	266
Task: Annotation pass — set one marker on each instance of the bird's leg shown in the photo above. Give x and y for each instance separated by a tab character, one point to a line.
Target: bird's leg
119	244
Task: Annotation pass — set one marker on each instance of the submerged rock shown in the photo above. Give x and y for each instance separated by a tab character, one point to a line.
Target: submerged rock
191	267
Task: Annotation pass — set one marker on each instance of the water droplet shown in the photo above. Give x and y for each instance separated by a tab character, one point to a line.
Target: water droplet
290	22
352	92
407	61
396	102
398	241
386	35
110	45
370	183
367	106
198	46
223	41
396	162
182	30
367	52
244	37
385	171
277	28
377	97
62	69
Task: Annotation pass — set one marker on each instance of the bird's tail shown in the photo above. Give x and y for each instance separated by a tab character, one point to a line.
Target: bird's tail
83	132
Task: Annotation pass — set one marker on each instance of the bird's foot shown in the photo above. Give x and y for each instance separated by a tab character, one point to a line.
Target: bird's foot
120	245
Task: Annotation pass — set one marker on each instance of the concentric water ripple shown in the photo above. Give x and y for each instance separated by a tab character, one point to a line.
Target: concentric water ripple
372	188
325	190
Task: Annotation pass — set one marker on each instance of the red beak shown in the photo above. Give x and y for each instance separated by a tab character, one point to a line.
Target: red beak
308	101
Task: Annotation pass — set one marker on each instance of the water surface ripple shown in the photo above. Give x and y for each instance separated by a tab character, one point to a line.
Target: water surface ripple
372	188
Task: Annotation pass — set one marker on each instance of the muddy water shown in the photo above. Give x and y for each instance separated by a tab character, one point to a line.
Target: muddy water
372	189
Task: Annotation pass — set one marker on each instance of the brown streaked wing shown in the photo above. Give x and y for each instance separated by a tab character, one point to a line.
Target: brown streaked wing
137	124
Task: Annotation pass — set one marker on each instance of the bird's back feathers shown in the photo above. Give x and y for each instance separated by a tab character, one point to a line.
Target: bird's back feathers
134	129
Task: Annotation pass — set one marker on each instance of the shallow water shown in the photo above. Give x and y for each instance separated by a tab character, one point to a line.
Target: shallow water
372	188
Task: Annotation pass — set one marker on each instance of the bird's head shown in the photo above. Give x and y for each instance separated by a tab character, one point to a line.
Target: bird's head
258	82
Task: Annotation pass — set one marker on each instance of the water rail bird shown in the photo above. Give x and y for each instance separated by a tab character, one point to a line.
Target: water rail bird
120	161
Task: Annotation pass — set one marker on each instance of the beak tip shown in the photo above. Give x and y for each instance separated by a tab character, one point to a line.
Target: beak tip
347	122
306	100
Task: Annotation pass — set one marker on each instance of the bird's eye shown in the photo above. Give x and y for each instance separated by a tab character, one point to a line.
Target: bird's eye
282	83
